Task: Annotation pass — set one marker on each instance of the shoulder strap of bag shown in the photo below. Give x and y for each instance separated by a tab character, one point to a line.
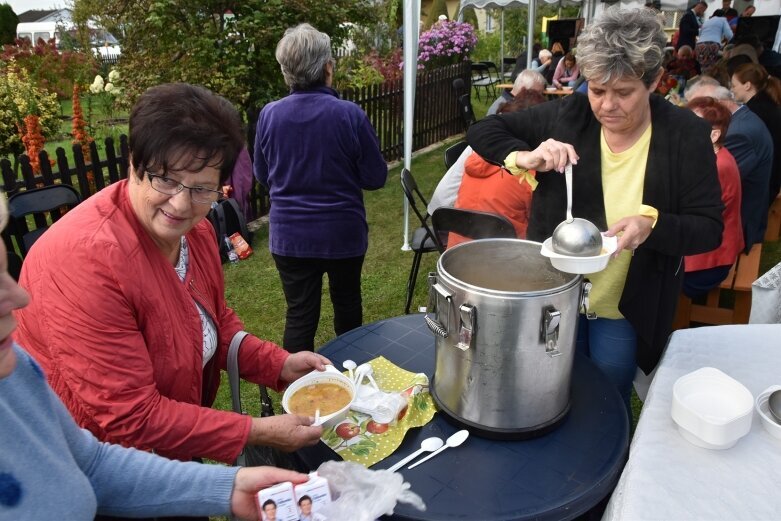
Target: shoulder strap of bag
233	370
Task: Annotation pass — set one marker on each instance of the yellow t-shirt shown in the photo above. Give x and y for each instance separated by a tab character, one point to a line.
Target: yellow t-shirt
623	175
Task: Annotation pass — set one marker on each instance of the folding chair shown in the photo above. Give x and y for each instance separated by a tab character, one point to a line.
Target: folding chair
481	79
44	205
423	238
453	152
473	224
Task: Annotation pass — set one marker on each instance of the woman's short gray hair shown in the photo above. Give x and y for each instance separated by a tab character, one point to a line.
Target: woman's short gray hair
303	53
622	43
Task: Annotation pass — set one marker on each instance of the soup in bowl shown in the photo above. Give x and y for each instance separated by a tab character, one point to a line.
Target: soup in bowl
329	390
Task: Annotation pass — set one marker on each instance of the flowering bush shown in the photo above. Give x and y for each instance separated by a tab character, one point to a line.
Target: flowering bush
446	43
19	98
109	93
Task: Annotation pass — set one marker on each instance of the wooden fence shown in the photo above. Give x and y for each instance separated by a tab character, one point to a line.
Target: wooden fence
436	109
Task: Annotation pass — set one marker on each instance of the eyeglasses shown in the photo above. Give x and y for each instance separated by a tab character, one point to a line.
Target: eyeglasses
198	194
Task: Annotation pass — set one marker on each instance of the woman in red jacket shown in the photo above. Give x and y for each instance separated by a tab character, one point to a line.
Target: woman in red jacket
128	316
705	271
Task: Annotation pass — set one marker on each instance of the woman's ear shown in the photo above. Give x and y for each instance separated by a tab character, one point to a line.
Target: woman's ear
715	135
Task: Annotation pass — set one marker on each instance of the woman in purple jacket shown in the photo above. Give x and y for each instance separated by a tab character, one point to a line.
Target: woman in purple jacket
316	153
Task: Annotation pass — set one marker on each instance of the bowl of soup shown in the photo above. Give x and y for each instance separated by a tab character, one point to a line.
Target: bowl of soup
329	390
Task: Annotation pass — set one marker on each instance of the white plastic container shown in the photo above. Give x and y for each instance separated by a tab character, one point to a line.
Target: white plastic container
711	409
330	375
581	265
770	425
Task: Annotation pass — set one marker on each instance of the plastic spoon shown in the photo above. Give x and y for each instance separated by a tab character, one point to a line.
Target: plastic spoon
317	417
453	441
427	445
350	366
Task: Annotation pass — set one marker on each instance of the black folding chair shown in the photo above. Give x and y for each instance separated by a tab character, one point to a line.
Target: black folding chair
423	238
453	152
473	224
44	206
483	79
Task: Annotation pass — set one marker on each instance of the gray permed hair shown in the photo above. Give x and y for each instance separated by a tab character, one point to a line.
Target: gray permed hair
622	43
302	54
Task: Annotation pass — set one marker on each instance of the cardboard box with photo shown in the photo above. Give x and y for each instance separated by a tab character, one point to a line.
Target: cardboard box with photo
278	503
311	497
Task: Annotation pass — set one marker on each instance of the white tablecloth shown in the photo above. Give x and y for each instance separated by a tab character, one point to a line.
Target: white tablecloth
668	478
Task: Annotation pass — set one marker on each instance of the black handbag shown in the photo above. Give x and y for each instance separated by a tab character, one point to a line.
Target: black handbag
256	455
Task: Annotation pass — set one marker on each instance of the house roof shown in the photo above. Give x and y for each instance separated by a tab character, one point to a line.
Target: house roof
44	15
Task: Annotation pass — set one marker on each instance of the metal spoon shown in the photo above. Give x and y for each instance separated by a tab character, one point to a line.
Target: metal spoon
774	405
453	441
575	236
427	445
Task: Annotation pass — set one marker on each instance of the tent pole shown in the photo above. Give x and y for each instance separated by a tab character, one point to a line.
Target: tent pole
411	33
501	47
530	33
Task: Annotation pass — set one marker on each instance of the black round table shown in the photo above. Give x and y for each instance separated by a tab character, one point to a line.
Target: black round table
560	475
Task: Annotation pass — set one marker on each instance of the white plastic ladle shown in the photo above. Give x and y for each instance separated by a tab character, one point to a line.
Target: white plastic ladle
453	441
427	445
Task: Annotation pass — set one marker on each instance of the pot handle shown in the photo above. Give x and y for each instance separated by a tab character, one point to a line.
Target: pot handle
435	291
551	318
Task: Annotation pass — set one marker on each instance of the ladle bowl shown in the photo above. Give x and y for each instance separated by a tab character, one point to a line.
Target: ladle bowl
774	405
579	238
575	236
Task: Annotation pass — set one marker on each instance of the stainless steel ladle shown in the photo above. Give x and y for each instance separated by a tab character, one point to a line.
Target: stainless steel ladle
575	236
774	405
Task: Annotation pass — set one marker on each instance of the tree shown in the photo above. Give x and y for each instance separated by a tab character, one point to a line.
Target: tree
438	7
224	45
8	23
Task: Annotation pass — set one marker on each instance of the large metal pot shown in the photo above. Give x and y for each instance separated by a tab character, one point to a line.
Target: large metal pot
505	322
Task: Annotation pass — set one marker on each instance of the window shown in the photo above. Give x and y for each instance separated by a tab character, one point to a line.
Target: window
489	23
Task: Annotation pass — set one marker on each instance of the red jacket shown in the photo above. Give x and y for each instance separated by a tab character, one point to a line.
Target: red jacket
120	338
732	236
488	188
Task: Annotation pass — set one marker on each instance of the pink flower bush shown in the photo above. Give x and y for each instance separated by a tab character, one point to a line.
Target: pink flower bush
446	43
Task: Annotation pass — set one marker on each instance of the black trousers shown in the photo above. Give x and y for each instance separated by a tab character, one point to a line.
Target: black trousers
302	282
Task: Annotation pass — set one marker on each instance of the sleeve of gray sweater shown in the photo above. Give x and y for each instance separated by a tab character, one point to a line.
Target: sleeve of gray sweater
56	470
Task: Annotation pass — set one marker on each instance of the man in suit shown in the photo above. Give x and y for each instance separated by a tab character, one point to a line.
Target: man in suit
689	27
750	143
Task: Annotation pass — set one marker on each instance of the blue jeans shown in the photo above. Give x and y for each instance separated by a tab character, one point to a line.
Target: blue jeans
612	346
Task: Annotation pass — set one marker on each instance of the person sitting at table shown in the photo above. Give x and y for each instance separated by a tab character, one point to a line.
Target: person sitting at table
761	93
644	171
684	64
705	271
51	469
567	72
133	330
490	188
528	80
542	62
557	53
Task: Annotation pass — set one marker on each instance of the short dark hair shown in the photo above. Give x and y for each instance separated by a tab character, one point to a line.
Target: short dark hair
267	503
178	126
303	498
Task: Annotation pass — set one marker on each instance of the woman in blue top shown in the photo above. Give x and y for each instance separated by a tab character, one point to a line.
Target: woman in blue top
713	32
52	469
316	153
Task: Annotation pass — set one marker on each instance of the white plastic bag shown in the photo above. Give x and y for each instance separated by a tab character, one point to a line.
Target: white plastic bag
360	494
